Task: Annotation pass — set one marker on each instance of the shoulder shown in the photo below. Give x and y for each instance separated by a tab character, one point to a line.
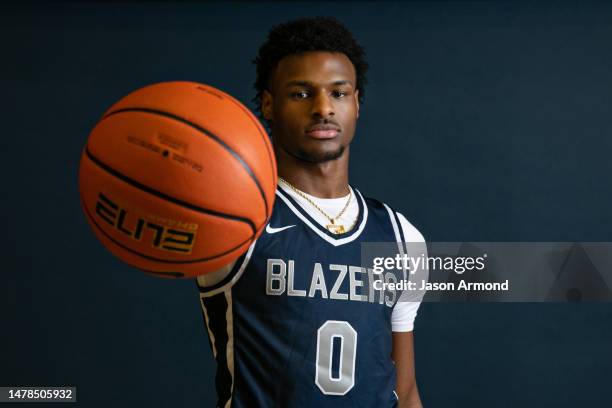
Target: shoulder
410	232
372	202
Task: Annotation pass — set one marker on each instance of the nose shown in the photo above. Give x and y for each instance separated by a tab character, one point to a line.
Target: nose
322	106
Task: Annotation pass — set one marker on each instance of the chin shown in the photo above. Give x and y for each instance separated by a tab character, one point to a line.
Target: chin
320	156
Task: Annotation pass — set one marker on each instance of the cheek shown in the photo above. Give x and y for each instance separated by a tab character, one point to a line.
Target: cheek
289	116
287	125
350	114
349	107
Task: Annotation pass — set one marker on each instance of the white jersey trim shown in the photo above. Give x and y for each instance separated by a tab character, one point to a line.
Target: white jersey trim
331	240
404	313
211	335
398	236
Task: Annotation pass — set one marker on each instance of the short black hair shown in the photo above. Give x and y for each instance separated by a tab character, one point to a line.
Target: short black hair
303	35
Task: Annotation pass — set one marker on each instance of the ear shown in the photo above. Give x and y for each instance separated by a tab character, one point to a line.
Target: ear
357	101
266	105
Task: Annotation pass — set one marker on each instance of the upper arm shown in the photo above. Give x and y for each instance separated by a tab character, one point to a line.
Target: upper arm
219	281
210	279
403	316
405	309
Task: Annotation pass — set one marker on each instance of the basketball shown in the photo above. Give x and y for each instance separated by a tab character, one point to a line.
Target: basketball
177	179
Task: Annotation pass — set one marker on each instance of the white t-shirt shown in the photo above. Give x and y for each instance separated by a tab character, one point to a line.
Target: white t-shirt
404	313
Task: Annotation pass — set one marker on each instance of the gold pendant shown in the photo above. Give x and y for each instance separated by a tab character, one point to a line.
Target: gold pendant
335	228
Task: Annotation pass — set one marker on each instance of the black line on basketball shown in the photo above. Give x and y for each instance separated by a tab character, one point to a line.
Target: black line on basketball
152	258
257	126
205	132
166	197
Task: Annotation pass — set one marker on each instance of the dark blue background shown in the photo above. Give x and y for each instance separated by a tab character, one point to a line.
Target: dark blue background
484	121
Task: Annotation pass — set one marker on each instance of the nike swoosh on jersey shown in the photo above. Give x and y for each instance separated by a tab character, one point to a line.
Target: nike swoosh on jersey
271	230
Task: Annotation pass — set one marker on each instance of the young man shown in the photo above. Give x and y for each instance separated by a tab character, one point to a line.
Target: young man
289	322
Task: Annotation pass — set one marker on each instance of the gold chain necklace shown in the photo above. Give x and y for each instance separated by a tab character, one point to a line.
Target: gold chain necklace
332	226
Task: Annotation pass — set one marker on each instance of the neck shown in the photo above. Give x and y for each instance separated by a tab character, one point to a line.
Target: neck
324	180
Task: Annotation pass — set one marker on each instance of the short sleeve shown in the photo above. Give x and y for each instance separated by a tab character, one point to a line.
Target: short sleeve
403	315
404	312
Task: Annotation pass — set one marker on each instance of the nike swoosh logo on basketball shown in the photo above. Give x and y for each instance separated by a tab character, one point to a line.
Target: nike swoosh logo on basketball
271	230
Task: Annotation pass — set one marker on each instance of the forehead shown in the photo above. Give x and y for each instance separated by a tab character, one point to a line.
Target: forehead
317	67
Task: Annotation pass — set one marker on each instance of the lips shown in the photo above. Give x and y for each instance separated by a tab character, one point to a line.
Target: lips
323	131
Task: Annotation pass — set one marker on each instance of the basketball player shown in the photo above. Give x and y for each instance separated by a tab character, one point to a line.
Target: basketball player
289	322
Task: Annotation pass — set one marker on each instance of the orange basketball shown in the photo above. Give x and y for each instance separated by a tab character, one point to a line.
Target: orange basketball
178	179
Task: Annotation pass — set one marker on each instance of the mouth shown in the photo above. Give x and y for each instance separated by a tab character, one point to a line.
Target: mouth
322	132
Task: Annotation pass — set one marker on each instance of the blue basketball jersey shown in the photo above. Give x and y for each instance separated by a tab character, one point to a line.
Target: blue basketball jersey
295	323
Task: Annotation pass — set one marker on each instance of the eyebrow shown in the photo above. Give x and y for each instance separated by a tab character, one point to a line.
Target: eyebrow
311	84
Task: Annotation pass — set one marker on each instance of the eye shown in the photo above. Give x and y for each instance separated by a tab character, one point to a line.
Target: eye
300	94
339	94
